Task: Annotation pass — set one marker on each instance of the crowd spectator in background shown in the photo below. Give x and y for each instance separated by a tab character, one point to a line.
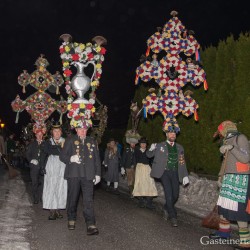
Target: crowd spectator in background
112	163
128	163
36	157
144	187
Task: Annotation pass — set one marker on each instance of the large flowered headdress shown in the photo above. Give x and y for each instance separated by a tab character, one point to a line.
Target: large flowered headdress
172	72
80	55
40	105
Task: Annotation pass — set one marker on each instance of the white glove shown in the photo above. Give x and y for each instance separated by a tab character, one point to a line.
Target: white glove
185	181
75	158
225	148
34	161
153	146
97	179
122	171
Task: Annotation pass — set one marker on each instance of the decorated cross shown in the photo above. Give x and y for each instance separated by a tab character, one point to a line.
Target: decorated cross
172	72
40	105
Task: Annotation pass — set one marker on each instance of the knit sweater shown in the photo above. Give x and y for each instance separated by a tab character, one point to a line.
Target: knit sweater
238	157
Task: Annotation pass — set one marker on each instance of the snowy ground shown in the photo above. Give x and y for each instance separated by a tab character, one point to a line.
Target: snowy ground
15	213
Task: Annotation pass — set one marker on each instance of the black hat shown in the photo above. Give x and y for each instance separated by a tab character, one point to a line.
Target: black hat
111	139
56	124
143	140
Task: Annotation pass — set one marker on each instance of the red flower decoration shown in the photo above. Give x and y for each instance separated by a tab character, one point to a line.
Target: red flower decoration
67	72
90	56
103	51
75	105
62	50
89	106
75	57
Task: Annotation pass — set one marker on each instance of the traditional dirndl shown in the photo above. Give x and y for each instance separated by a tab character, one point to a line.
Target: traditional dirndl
144	183
234	196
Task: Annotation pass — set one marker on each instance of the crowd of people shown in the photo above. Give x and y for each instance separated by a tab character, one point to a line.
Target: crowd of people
61	168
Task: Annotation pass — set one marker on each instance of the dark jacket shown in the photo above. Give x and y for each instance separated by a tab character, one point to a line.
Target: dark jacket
90	165
36	152
128	158
51	149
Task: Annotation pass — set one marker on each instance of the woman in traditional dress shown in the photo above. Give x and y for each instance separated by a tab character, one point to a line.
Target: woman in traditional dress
112	163
144	187
55	186
234	180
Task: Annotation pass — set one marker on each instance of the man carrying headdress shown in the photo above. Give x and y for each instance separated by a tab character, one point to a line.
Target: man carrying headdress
36	157
170	167
83	170
234	180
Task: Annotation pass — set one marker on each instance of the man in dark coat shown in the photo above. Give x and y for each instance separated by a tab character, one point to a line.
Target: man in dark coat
83	170
36	157
170	167
128	163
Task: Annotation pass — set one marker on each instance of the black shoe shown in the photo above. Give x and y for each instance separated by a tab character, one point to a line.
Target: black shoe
116	192
141	203
71	225
92	230
58	215
150	206
52	216
215	236
108	188
165	215
174	222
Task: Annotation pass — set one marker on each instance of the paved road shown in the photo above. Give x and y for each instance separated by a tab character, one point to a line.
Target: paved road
122	224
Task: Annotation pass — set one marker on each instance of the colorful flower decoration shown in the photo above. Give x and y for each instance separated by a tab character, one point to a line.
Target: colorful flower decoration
39	127
79	52
170	125
192	46
169	104
150	104
171	72
190	105
195	74
39	105
81	114
144	71
155	42
23	80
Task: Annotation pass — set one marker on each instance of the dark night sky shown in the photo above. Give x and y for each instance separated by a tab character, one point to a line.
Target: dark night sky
31	27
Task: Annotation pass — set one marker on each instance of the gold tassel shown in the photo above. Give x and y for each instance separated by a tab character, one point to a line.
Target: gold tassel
57	90
24	89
